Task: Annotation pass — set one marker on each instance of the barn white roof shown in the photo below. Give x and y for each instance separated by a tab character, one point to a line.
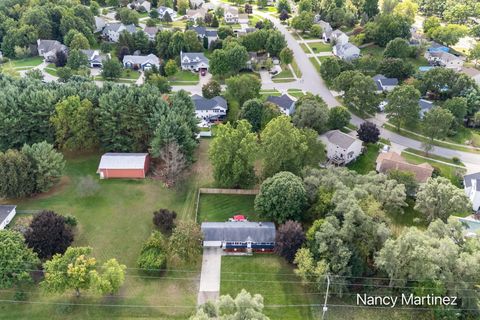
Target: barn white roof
123	161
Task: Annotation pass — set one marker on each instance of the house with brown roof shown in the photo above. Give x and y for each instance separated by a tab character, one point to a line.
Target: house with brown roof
393	161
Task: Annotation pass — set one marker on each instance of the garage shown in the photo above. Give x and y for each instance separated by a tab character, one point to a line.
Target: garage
123	165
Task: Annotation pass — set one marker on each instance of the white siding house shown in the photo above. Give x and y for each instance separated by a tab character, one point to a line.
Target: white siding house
208	108
346	51
341	147
141	62
471	184
193	61
284	102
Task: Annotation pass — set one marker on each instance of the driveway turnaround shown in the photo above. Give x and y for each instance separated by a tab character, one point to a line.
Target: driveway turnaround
210	277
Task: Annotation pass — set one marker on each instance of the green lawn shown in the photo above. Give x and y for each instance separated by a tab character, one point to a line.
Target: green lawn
296	69
315	63
366	161
274	280
51	69
374	50
253	19
433	156
130	74
305	48
320	46
452	173
466	135
297	93
115	222
28	62
220	207
184	78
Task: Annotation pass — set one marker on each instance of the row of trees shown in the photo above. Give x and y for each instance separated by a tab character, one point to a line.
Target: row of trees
129	119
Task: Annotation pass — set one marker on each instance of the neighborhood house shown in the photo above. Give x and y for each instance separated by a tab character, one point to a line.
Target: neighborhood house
194	14
95	58
48	49
471	184
162	10
112	31
141	62
346	51
209	108
338	37
151	32
193	61
239	235
123	165
203	32
7	213
231	15
389	161
284	102
385	84
444	59
341	147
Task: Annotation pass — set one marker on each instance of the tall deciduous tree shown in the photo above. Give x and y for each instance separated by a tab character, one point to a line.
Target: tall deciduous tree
243	87
402	107
111	278
233	152
48	234
282	197
73	122
16	260
368	132
186	241
438	198
112	69
311	112
338	117
211	89
258	113
436	124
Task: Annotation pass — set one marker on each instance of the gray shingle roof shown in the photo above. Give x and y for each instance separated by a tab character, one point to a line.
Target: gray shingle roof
5	211
467	179
239	231
284	101
202	103
49	45
94	55
151	58
204	32
123	161
119	27
381	81
340	139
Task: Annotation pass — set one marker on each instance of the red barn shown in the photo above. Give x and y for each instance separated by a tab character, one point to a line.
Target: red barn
123	165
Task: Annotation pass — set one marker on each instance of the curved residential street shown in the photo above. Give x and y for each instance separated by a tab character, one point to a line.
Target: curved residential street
312	82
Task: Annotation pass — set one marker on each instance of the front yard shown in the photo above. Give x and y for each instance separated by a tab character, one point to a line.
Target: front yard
115	222
184	78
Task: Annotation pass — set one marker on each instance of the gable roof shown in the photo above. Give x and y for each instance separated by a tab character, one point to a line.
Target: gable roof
381	81
204	32
445	56
284	101
338	33
123	161
94	55
425	105
119	27
151	58
340	139
151	31
194	57
239	231
467	179
50	45
202	103
99	24
193	12
393	161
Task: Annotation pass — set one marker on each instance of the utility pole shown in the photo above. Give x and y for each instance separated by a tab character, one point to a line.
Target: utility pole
325	308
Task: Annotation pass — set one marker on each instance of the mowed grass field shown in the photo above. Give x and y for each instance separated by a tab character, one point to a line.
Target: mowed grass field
115	222
220	207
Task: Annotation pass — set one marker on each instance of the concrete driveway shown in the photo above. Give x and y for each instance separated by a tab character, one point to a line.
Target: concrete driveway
210	277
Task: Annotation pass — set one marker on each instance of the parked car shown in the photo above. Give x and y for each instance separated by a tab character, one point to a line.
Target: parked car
203	72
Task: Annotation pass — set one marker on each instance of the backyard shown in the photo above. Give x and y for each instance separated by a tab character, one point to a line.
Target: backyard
115	222
220	207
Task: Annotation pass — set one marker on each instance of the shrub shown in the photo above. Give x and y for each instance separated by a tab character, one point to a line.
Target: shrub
456	160
70	220
163	219
152	258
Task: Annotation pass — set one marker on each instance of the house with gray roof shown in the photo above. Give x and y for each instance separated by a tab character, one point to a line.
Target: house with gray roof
471	183
141	62
141	5
208	108
346	52
48	49
203	32
284	102
193	61
194	4
112	31
338	37
425	106
239	235
194	14
326	30
342	148
151	32
162	10
7	213
385	84
444	59
95	58
99	24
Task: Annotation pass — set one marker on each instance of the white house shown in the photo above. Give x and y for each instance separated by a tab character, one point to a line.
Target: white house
338	37
48	49
195	4
141	5
112	31
471	184
151	32
385	84
347	51
203	32
326	30
193	61
208	108
231	15
7	213
341	147
162	10
141	62
99	24
95	58
444	59
284	102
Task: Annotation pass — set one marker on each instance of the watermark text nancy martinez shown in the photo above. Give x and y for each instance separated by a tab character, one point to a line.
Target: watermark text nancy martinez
406	300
